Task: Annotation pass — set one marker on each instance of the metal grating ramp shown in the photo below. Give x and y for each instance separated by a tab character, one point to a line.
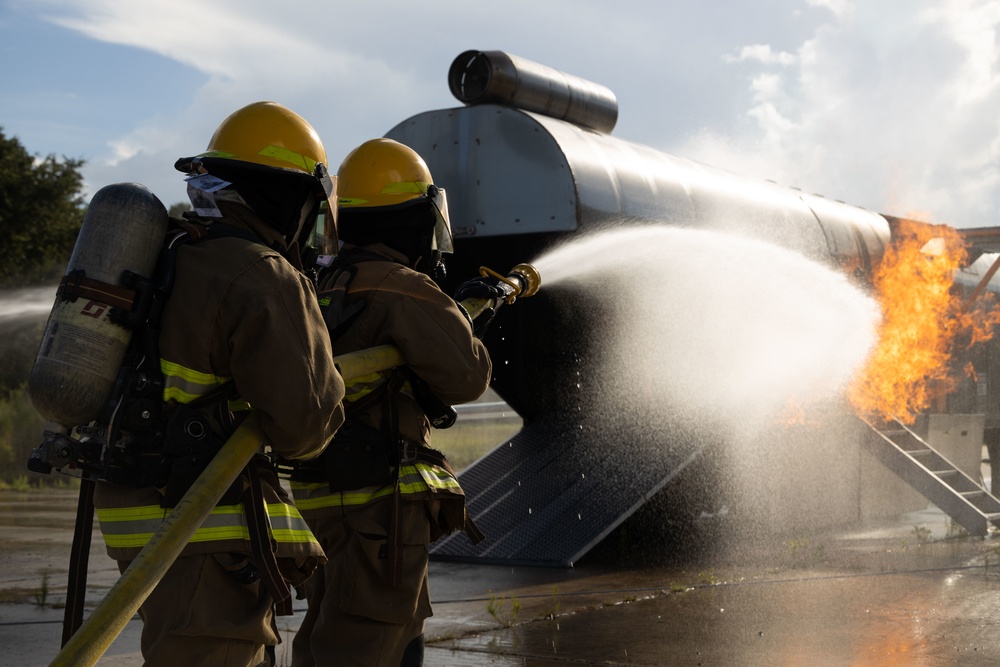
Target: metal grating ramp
555	490
937	479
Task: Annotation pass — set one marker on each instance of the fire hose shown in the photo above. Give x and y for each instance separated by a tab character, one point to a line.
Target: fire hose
86	646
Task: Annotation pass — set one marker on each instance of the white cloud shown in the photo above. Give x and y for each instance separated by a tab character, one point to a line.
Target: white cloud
214	37
841	8
891	109
761	53
246	55
972	26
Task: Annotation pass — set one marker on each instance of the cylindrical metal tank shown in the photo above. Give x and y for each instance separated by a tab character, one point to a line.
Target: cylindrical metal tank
495	77
513	172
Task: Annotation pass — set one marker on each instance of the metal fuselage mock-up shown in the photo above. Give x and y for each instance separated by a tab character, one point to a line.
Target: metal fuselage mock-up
527	163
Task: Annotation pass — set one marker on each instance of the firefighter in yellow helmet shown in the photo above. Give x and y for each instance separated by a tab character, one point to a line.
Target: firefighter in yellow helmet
379	495
240	330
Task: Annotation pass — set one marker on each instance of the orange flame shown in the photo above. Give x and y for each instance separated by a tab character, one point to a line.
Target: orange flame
922	321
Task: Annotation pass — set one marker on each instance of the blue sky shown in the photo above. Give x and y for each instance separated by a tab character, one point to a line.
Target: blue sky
893	105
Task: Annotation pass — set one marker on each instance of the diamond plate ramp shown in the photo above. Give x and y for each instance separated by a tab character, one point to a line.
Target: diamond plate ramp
555	490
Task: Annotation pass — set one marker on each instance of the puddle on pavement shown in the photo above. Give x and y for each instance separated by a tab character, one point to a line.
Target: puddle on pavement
862	621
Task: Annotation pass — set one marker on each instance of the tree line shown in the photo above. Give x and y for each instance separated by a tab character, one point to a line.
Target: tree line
41	210
42	207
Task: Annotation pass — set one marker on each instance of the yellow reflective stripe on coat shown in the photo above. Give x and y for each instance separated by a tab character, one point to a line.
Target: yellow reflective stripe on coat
287	525
185	384
436	478
313	496
414	479
134	526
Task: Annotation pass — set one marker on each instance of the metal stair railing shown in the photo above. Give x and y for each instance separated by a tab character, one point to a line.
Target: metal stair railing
933	476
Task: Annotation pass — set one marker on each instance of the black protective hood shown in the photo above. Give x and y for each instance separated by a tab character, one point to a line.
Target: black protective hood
407	228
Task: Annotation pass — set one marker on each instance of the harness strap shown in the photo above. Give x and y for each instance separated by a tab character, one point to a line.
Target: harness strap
395	537
337	313
76	586
75	285
195	232
260	543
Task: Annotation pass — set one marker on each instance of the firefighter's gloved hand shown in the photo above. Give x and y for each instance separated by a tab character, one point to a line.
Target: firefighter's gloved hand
481	287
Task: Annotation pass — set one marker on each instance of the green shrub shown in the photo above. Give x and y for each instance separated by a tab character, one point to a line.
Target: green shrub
20	432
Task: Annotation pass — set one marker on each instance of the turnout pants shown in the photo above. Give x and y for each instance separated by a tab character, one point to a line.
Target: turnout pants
356	617
199	615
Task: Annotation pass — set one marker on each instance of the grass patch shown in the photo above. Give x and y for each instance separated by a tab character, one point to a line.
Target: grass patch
502	610
42	592
470	439
923	534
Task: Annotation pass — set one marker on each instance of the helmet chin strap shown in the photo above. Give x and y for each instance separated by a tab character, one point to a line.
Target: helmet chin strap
433	266
231	195
309	207
439	271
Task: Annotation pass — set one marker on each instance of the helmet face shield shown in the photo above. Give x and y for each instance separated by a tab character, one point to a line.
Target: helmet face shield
325	233
442	226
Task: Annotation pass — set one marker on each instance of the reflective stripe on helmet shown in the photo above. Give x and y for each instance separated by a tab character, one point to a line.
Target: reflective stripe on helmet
382	172
392	188
412	187
297	160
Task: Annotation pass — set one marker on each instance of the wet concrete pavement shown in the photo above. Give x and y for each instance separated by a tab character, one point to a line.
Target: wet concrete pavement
902	592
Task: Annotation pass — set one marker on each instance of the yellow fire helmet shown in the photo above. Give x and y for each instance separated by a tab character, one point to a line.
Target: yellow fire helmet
265	136
384	173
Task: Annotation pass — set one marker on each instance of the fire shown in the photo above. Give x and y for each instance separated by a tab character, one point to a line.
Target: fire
923	320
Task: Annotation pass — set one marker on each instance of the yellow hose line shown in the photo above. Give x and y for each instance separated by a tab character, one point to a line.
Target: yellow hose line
111	615
475	306
365	362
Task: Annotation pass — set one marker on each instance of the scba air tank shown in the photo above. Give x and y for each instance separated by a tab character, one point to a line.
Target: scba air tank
82	349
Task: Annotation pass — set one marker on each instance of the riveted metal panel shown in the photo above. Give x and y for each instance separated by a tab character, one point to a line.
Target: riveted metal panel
512	172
